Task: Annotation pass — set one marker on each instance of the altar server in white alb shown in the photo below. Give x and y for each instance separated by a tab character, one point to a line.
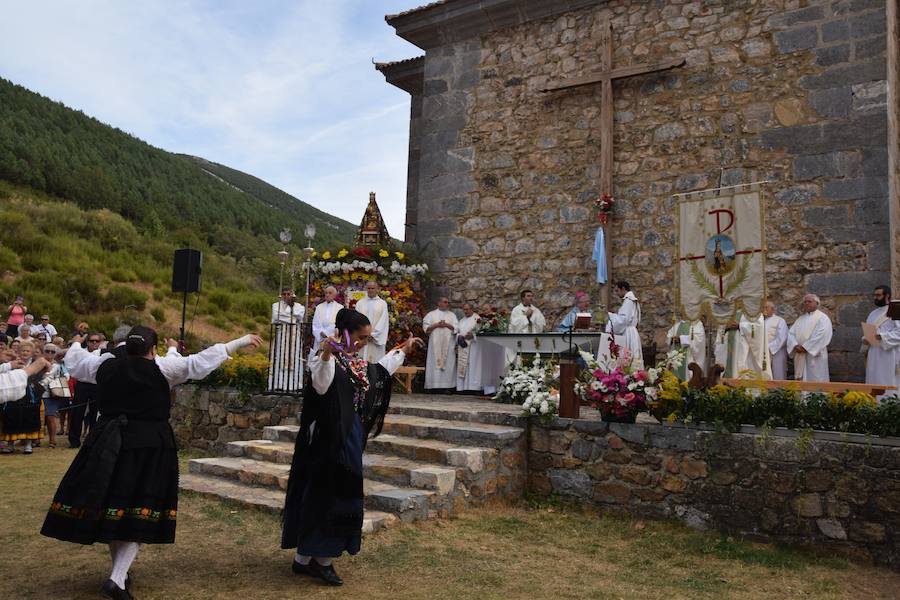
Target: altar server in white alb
323	319
692	338
376	309
883	360
750	349
526	317
776	333
468	353
287	367
808	340
623	323
441	326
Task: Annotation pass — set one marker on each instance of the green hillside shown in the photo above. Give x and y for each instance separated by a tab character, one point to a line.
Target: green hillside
54	149
90	218
335	230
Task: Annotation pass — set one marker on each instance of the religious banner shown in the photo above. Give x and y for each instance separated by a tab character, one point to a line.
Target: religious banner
721	254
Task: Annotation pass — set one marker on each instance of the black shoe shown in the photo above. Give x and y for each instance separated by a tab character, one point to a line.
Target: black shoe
111	590
326	574
300	569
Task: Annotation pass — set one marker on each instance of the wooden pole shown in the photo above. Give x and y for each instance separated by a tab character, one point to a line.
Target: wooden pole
606	144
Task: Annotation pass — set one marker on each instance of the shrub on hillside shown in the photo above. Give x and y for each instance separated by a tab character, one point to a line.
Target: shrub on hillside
119	297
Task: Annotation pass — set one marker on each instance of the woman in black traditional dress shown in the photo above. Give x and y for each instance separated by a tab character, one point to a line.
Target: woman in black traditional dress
345	402
122	486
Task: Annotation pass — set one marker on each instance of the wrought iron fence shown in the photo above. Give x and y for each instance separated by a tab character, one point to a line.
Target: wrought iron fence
285	360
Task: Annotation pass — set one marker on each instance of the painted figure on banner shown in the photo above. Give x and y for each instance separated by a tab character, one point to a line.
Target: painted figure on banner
776	332
468	353
441	326
808	340
883	359
691	337
526	317
376	310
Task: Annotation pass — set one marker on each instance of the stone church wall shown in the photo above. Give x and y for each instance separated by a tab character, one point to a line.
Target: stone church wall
780	90
840	496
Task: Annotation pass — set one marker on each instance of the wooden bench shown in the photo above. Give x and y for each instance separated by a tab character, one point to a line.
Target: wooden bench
811	386
405	376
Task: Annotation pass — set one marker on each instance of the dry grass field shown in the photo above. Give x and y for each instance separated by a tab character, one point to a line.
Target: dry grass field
530	551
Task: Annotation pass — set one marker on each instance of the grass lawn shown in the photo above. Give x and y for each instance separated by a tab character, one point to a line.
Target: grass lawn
546	551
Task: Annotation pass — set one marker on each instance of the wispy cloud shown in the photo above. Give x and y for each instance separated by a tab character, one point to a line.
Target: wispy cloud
282	89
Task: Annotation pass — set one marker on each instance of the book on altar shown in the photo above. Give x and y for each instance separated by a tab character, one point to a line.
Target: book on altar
870	330
583	320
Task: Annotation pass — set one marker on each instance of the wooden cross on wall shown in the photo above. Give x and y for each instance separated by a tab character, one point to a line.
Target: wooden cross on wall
605	77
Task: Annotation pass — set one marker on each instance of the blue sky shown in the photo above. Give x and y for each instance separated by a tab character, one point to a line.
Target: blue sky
282	89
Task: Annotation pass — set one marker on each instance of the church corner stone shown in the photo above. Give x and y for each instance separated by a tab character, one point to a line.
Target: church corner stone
504	175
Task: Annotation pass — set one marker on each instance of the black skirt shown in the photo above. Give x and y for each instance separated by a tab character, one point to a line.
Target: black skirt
122	485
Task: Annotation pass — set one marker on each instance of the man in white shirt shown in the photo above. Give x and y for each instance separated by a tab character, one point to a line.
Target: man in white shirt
441	326
808	340
376	309
624	322
883	360
525	317
323	318
776	334
287	366
45	327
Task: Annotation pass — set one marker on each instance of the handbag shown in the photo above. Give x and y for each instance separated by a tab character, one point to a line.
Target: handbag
59	387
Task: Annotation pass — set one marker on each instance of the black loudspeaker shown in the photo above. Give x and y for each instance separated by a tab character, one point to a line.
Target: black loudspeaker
186	270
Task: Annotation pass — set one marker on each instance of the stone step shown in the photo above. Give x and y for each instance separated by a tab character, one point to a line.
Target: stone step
459	408
459	432
405	472
270	500
473	458
281	433
246	470
408	504
267	450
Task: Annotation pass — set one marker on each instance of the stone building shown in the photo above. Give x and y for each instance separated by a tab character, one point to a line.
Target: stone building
795	92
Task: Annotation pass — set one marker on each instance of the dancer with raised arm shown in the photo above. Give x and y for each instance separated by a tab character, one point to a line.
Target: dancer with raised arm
122	486
345	402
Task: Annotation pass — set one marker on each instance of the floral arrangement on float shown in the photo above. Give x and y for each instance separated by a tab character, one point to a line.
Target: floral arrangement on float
402	279
618	390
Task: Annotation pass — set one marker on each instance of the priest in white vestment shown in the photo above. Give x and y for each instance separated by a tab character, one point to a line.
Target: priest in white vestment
323	319
883	360
691	337
441	326
468	353
376	310
623	324
286	372
776	333
808	340
526	317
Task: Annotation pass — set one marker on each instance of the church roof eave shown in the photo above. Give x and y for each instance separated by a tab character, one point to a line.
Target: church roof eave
407	74
447	21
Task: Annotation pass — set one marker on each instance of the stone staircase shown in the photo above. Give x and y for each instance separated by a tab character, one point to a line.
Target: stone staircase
436	456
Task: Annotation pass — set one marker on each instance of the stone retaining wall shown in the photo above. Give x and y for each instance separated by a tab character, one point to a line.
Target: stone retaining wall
209	418
842	496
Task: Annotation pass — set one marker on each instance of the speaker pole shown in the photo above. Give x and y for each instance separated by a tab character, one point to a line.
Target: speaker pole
181	345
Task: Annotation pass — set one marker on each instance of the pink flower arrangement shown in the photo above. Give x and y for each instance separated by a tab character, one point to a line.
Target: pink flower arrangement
615	389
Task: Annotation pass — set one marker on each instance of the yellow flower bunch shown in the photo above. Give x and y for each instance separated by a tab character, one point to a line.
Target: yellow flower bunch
343	252
326	255
854	400
383	253
399	255
670	387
